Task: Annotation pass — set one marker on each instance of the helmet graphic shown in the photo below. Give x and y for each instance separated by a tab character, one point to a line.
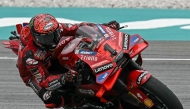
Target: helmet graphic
45	31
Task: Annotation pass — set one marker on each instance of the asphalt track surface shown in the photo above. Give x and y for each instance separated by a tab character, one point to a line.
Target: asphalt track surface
166	60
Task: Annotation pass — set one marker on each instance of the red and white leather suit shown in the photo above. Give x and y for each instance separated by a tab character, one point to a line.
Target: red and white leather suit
34	63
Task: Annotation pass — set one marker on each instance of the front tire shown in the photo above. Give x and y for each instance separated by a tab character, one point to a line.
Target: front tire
161	95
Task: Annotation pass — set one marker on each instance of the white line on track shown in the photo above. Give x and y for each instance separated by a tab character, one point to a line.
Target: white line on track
8	58
149	59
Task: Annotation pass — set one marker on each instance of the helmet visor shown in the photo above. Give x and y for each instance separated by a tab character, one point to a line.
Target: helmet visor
48	39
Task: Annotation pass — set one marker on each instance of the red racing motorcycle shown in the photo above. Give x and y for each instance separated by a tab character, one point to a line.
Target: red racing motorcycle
110	73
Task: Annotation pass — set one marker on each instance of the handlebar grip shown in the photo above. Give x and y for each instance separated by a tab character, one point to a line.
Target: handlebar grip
107	47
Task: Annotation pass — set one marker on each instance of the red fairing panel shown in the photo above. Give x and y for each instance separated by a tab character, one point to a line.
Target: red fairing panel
62	43
136	78
67	56
133	44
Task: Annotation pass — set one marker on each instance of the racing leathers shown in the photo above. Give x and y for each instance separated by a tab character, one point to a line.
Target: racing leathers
35	65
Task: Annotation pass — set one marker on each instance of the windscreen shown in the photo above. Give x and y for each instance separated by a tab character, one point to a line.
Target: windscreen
90	32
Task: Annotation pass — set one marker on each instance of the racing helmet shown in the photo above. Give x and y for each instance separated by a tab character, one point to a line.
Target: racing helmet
45	31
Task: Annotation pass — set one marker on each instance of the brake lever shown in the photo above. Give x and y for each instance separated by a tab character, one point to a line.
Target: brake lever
125	26
15	36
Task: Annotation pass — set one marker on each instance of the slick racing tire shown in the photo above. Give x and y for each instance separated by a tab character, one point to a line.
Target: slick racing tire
161	95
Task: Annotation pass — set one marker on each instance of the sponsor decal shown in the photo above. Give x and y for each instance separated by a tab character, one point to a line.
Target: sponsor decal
103	68
133	40
85	52
101	29
31	61
106	36
111	33
38	77
54	85
40	54
62	42
125	41
102	77
148	102
33	86
141	77
76	51
84	91
89	58
53	82
48	26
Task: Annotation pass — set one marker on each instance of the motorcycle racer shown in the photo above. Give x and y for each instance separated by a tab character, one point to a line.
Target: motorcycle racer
37	56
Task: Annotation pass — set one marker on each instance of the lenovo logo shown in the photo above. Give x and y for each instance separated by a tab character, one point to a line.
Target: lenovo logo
125	41
103	68
141	76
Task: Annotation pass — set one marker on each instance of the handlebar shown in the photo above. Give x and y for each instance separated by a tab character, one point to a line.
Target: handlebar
125	26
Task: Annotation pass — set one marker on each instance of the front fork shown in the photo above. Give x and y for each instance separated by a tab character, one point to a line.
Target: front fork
130	80
135	79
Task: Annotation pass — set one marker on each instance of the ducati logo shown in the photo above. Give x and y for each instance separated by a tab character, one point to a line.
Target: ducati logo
30	61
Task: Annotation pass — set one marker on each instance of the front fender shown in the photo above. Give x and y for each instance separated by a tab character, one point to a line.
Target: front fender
136	78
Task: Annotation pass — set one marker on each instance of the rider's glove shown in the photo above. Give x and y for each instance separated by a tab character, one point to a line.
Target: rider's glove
56	81
51	99
14	35
113	24
70	75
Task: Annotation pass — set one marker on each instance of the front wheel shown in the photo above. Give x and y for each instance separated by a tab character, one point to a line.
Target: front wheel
159	93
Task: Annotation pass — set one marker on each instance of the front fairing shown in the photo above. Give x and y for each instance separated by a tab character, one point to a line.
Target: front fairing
96	55
91	46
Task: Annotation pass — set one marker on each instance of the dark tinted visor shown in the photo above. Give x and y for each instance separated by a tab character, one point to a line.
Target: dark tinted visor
48	39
